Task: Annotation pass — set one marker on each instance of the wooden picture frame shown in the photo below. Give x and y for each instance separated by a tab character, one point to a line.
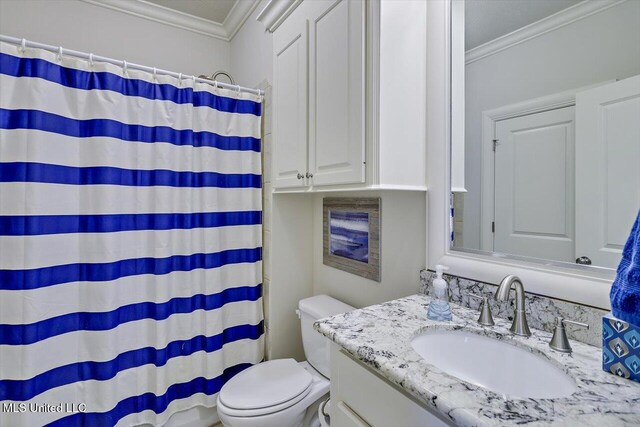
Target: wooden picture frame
351	235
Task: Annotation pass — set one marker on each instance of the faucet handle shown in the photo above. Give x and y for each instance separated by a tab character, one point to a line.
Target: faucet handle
485	319
573	322
559	341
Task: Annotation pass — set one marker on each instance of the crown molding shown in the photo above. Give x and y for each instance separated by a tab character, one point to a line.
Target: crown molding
553	22
238	15
275	12
164	15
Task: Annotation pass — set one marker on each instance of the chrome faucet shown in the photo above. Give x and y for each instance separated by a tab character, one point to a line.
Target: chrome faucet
519	326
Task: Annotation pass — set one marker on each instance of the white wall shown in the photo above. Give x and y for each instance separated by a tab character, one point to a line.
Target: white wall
251	55
296	270
77	25
290	273
602	47
402	251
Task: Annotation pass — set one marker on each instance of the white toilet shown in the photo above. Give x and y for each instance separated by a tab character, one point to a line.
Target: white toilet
283	392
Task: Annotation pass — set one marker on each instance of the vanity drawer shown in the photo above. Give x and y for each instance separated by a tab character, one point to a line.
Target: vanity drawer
361	397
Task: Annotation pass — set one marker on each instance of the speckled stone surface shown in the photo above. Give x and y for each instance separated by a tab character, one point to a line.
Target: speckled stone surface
541	311
380	337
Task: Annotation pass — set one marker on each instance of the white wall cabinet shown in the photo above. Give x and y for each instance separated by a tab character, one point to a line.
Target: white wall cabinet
319	95
350	96
360	397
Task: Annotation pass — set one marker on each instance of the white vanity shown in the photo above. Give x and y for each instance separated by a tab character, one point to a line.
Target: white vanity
382	379
383	403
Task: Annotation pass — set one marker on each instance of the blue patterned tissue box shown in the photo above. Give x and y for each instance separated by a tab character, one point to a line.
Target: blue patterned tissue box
620	348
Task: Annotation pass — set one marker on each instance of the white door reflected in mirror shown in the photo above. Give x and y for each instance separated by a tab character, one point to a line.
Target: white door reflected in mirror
607	169
551	118
534	186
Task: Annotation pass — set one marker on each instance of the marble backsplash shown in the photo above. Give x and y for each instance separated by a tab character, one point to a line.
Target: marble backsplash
541	311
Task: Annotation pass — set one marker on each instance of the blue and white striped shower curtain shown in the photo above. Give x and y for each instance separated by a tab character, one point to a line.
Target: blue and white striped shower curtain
130	241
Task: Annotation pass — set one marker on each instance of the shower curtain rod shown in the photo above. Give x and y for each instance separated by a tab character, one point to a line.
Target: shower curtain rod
61	51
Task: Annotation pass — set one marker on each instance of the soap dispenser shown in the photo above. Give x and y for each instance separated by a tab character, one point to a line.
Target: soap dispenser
439	308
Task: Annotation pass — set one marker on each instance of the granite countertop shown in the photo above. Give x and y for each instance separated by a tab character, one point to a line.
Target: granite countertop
380	337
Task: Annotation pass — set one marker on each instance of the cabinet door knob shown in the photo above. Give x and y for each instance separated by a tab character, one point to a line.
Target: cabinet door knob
300	176
309	175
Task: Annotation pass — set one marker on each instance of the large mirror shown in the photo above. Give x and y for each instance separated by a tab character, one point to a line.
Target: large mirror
545	128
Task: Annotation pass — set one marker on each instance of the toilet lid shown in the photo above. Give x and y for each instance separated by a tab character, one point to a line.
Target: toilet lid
266	384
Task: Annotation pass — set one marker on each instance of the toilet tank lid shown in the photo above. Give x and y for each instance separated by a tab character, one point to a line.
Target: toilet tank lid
320	306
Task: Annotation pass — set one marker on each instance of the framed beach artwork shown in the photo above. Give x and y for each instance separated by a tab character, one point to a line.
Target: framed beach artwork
351	235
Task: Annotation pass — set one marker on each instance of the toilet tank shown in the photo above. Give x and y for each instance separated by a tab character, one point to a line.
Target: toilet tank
316	346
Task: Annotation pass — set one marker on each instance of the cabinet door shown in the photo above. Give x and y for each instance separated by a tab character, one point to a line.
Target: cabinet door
336	91
290	104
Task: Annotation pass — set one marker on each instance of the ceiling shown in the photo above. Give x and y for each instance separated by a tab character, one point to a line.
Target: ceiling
486	20
212	10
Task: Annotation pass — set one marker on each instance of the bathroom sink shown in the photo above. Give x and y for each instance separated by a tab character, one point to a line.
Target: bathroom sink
493	364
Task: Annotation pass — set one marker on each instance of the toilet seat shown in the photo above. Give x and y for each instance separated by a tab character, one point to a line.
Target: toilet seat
244	413
266	388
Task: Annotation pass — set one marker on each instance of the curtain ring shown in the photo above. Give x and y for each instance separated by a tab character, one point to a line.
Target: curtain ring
91	60
155	74
60	53
215	84
238	89
180	79
194	81
23	45
124	66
